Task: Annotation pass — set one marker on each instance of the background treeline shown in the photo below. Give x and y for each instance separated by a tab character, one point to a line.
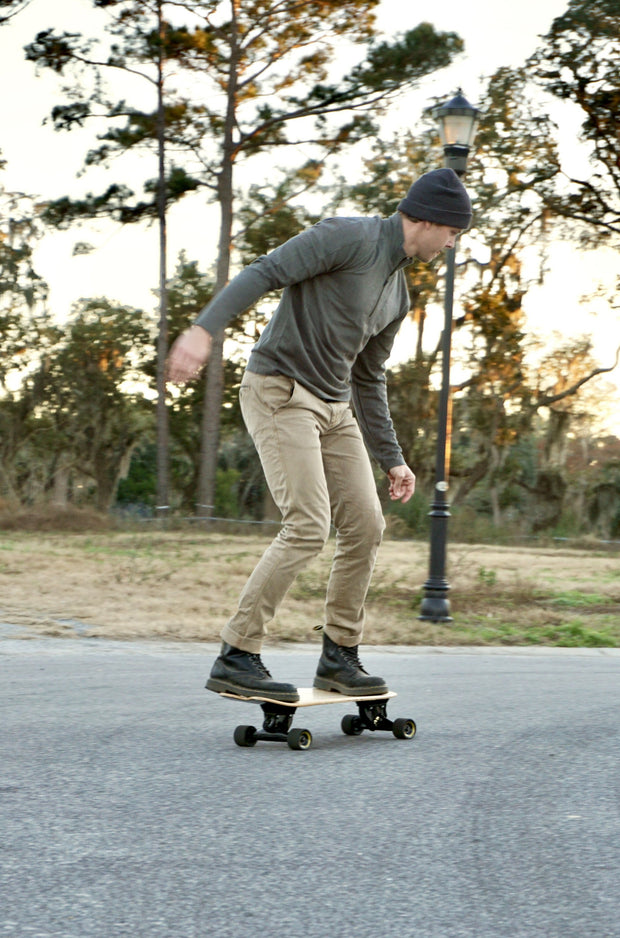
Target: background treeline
233	89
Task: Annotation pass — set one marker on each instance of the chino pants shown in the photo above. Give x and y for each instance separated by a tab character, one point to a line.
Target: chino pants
318	471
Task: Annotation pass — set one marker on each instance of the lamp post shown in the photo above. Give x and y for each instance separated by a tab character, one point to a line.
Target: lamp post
457	122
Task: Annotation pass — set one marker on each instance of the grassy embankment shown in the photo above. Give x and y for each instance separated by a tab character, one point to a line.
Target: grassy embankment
182	585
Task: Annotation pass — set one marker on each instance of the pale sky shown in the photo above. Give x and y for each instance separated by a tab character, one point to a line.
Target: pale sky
124	265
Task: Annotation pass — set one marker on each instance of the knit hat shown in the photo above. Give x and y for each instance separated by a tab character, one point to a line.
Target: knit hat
438	196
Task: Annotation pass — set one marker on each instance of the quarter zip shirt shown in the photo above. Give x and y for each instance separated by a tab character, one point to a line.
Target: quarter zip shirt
344	298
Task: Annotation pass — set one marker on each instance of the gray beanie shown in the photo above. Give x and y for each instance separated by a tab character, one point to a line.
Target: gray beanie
438	196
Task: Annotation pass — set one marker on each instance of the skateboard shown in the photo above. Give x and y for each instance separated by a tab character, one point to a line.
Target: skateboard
278	717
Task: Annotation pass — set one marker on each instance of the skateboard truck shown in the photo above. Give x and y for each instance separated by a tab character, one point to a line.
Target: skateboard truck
276	728
372	716
277	721
278	717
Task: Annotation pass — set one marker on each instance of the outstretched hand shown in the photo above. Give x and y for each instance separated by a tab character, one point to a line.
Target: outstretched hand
188	355
402	483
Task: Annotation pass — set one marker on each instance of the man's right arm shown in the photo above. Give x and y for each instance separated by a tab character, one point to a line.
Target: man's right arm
190	352
312	252
245	289
308	254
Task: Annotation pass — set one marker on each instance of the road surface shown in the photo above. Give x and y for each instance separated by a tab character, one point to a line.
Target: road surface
127	810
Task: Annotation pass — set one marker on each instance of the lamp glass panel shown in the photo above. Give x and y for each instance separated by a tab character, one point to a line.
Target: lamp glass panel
458	129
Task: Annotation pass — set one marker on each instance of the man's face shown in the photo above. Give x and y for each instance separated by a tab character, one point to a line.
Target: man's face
425	239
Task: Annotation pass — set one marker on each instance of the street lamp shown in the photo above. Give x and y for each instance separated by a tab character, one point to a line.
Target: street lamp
457	123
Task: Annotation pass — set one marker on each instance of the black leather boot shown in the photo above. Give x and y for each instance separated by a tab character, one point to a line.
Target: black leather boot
243	673
340	670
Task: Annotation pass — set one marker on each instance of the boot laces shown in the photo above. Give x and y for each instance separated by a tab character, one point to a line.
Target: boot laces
352	656
258	664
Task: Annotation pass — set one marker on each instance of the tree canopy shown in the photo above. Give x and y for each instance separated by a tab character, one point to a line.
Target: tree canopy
579	61
300	84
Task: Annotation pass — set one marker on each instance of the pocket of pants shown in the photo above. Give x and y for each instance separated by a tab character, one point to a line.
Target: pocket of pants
277	391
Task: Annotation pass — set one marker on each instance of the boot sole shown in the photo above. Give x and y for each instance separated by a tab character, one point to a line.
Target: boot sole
227	687
323	683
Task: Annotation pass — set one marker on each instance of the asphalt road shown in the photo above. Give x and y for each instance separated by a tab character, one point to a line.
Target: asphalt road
127	810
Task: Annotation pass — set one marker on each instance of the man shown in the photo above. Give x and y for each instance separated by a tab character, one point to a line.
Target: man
344	298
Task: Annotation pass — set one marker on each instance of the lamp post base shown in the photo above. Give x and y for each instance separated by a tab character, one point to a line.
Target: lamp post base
435	605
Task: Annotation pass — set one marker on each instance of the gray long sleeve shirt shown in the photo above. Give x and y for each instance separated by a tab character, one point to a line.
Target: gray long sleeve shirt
344	298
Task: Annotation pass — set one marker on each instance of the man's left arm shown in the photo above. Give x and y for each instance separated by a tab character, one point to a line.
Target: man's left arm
369	392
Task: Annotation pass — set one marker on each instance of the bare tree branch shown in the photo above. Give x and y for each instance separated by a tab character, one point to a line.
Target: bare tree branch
19	7
547	400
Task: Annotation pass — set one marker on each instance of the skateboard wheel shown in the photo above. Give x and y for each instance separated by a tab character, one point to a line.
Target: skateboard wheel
404	729
299	739
245	735
352	725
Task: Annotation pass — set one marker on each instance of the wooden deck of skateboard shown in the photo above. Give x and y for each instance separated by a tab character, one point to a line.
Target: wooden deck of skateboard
310	697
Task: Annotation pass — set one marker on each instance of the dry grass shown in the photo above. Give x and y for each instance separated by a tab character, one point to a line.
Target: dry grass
182	586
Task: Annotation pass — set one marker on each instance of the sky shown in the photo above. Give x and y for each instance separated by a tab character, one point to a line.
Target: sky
122	267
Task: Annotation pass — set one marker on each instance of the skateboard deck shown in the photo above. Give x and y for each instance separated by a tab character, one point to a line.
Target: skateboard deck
311	697
278	717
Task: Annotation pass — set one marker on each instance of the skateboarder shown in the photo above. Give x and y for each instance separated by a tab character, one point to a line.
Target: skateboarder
325	347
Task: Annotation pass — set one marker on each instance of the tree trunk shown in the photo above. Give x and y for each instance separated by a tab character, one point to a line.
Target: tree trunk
497	513
210	434
60	489
556	439
111	464
162	338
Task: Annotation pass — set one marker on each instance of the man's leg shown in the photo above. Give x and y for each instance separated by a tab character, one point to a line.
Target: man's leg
358	519
284	421
359	523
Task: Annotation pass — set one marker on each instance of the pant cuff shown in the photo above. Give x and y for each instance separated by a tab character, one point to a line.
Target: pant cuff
253	646
342	638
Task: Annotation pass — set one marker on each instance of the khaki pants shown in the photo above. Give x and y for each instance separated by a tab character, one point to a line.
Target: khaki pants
318	470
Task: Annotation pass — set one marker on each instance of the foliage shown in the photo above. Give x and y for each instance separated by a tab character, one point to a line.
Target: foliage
579	61
255	69
262	78
27	334
273	212
137	491
506	461
22	291
75	420
254	52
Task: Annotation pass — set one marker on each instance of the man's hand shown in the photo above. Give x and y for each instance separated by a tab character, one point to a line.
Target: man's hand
188	355
402	483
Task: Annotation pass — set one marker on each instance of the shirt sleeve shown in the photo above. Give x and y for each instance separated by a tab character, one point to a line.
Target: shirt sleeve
310	253
370	399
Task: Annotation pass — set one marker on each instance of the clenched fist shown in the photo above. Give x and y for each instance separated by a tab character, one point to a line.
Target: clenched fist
188	355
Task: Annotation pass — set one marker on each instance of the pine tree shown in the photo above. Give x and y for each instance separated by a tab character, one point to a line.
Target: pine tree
261	81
